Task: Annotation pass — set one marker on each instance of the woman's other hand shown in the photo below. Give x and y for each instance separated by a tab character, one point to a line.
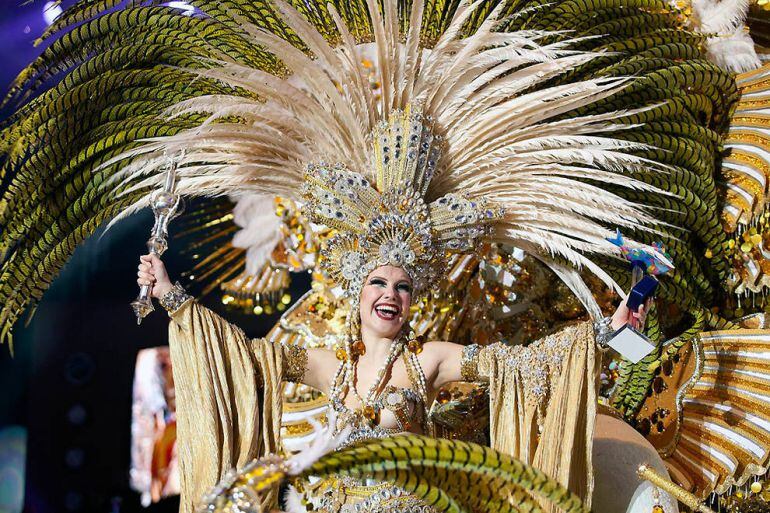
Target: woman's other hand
623	315
152	272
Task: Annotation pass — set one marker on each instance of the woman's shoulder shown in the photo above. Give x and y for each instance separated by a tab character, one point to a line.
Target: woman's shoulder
438	350
440	345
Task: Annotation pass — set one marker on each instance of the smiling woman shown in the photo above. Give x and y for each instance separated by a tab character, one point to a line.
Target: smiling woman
384	305
414	132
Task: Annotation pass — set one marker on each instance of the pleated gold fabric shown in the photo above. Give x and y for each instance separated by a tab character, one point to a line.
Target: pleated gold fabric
228	399
543	404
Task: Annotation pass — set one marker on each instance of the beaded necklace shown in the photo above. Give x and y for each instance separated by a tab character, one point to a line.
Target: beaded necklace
345	381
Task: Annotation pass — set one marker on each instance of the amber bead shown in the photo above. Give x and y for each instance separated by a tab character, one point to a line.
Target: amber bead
359	348
370	414
658	509
443	396
414	346
668	367
341	354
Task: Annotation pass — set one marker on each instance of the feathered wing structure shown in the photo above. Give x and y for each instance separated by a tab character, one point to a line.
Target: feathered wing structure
545	122
710	411
725	426
435	470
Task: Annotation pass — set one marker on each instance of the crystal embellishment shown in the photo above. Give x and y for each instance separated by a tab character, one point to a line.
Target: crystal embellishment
389	222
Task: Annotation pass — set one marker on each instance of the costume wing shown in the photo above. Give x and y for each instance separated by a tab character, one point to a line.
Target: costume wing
435	470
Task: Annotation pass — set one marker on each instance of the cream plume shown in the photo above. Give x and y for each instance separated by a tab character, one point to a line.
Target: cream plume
488	94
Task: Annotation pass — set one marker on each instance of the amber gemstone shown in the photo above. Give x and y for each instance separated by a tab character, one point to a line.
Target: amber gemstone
658	509
341	354
414	346
443	396
359	348
668	367
370	414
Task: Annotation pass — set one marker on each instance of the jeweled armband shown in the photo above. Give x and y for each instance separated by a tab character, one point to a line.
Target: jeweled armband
174	298
296	363
469	367
603	331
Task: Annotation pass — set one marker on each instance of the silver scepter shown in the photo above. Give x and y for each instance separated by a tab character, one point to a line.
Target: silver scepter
165	204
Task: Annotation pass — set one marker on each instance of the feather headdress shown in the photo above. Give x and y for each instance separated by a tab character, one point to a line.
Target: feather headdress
509	165
541	124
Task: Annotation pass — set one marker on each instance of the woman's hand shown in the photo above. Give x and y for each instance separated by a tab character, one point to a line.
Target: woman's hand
623	315
152	272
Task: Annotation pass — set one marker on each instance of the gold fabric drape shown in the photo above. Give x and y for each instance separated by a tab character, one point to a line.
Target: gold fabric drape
543	404
228	393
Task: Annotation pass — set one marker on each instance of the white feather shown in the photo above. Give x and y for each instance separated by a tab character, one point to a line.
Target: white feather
260	229
324	442
293	501
729	45
733	51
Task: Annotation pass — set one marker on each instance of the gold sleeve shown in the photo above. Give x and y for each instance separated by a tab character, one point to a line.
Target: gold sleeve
543	404
228	390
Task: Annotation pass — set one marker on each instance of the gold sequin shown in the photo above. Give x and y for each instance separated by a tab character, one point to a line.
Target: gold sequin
296	363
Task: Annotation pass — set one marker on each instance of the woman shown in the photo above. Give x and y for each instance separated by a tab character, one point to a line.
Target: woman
394	381
412	130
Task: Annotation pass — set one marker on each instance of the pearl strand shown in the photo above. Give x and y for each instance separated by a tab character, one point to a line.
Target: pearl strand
417	372
347	369
393	353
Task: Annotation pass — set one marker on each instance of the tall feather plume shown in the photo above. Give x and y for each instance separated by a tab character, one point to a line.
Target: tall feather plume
487	91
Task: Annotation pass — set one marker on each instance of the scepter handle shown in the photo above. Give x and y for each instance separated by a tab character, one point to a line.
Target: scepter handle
142	305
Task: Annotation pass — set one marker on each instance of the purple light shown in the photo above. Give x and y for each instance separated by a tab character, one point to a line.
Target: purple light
51	11
187	9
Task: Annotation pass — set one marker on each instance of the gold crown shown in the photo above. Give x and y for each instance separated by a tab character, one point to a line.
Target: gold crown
391	222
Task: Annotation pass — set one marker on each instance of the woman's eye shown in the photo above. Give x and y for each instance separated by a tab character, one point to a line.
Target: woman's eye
405	287
377	282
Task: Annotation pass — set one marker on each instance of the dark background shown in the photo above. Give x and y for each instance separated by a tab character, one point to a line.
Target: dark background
70	380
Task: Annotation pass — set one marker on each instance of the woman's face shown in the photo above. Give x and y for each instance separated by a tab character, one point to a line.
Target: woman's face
385	300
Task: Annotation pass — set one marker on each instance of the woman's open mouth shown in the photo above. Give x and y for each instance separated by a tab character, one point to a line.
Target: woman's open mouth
387	312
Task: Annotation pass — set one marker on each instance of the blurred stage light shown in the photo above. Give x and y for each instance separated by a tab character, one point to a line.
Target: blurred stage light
74	458
73	501
13	454
79	368
183	6
51	11
77	415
